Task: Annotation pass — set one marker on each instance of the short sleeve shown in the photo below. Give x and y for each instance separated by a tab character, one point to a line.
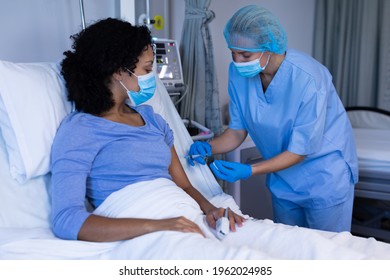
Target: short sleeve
234	111
160	122
309	125
169	139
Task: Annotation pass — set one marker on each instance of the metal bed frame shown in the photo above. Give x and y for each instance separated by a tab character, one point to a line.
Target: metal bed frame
372	189
372	192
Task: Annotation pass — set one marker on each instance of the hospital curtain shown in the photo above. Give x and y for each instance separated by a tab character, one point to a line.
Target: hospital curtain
352	39
201	102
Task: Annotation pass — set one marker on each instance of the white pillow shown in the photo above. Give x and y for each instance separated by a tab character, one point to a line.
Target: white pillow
33	102
22	205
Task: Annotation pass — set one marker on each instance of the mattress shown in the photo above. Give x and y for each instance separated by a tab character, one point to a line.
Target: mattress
373	150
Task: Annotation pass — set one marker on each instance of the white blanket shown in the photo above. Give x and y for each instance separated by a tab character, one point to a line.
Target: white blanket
255	240
161	198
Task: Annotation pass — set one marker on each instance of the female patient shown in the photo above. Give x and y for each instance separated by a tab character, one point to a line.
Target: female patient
111	140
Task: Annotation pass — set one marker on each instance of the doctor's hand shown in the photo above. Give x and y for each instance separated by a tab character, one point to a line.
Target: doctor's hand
231	171
198	152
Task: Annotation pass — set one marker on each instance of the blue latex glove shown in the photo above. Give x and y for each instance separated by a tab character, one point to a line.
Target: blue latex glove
198	152
231	171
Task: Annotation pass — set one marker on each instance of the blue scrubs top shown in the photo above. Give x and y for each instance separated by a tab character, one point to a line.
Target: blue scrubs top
302	113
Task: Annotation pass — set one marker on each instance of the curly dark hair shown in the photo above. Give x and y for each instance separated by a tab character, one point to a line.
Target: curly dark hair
100	50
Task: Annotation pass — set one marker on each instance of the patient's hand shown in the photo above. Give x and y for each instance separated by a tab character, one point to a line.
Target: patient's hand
213	215
181	224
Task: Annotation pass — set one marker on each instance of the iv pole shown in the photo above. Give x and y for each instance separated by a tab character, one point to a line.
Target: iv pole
148	21
81	4
144	19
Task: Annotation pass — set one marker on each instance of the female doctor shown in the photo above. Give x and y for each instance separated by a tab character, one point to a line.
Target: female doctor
287	103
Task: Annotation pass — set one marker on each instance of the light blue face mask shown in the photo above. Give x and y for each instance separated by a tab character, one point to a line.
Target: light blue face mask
147	85
251	68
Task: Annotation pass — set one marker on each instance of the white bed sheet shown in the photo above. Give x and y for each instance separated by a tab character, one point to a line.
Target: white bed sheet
277	241
373	149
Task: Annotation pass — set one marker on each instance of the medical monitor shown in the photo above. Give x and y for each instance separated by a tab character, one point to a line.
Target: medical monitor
169	65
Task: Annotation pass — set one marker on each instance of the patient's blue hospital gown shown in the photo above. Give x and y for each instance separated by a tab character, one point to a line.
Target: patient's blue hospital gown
300	112
106	156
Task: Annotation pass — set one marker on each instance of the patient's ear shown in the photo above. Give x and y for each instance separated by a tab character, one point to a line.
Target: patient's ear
118	75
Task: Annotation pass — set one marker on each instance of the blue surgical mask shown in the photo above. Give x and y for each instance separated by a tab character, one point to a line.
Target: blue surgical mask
147	85
251	68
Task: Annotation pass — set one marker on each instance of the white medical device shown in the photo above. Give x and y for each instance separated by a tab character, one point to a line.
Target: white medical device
169	70
169	65
222	226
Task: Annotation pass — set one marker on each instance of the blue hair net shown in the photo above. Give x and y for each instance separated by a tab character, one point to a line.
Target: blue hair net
255	29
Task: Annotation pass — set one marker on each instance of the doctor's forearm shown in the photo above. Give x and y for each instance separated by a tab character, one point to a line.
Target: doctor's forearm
277	163
227	141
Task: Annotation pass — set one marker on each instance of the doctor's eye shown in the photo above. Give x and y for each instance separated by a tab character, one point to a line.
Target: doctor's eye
234	56
239	56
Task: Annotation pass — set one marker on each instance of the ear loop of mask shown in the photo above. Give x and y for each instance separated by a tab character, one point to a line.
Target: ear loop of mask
124	86
128	93
127	90
266	64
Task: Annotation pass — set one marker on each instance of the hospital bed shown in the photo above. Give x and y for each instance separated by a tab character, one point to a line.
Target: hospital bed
33	103
372	193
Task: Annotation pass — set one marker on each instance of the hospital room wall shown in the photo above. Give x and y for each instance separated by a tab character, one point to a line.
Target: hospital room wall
39	30
297	17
